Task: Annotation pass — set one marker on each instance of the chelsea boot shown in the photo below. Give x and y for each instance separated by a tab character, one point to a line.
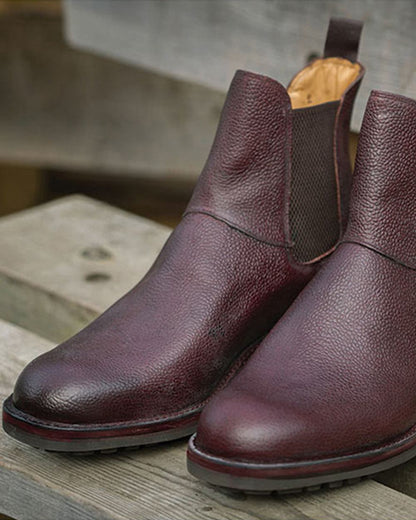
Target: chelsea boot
268	207
330	395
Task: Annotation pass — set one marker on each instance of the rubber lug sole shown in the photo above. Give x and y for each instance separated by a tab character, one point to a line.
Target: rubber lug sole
87	442
294	491
253	478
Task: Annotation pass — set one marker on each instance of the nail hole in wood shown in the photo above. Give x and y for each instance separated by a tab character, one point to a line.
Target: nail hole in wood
97	277
96	253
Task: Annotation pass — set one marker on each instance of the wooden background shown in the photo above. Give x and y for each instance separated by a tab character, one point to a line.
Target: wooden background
135	88
204	41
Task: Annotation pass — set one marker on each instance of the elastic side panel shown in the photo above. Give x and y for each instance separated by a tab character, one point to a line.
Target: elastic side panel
313	210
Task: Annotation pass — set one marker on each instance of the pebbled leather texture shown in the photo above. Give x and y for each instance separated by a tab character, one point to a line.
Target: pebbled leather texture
165	345
255	129
220	283
335	376
385	190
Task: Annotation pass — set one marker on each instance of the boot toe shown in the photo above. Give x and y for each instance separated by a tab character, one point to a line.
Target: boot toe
50	391
242	427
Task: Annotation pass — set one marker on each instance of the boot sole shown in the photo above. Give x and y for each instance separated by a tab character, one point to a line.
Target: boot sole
88	440
295	477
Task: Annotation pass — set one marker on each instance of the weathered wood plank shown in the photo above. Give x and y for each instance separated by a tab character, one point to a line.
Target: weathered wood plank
151	483
65	109
63	263
205	41
402	478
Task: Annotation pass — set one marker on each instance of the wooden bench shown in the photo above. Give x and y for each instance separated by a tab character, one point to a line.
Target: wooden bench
60	265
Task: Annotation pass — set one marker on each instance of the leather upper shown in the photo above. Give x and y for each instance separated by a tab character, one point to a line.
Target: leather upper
255	129
336	374
165	345
220	283
383	216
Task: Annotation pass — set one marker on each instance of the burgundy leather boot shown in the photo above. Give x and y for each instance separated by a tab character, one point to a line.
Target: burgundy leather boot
266	209
330	395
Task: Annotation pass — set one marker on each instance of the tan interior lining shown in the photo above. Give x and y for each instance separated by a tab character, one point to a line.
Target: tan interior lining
324	80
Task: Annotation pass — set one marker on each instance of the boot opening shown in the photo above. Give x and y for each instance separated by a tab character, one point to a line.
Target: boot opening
324	80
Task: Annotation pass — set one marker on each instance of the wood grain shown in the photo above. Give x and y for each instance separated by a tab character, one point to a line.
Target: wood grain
205	41
63	263
66	109
150	483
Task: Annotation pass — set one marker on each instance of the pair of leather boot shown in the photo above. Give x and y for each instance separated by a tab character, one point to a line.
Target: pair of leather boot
329	393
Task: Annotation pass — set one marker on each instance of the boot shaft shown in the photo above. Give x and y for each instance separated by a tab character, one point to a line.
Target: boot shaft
383	200
336	78
279	168
244	180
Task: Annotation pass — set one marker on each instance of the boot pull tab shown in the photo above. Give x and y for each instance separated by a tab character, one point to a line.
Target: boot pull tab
343	38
